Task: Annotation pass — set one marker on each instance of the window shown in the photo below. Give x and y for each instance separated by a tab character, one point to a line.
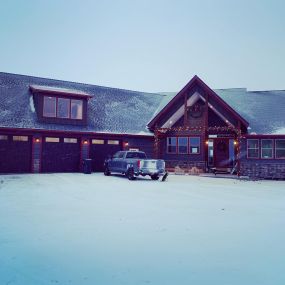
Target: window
266	148
49	107
113	142
171	145
20	138
280	149
136	154
118	154
63	107
76	109
252	148
182	145
95	141
3	138
52	140
70	140
194	144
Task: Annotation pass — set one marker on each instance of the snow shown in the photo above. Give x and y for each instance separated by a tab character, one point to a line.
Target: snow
280	131
32	105
91	229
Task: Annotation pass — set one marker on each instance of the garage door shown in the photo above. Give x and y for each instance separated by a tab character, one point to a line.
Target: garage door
60	154
15	154
99	151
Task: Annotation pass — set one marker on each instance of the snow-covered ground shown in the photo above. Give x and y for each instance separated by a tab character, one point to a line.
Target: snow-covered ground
91	229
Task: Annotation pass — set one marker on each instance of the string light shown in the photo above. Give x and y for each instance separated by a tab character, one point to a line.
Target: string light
161	132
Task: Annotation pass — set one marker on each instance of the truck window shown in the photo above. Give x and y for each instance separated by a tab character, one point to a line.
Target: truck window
121	154
136	154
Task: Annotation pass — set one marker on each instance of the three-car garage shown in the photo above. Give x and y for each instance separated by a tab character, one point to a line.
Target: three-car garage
53	153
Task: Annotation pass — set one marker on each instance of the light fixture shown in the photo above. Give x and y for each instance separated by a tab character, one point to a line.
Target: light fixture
126	144
235	142
37	140
85	142
207	142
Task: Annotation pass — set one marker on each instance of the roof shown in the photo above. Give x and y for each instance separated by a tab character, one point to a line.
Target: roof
264	110
195	81
58	91
110	110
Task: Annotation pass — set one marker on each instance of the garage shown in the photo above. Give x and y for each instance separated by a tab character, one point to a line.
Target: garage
99	151
15	154
60	154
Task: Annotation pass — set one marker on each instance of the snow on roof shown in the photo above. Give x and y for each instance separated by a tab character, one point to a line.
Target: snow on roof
264	110
112	110
58	90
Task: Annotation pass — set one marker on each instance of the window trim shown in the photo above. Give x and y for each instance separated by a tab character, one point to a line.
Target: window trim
278	148
167	144
20	138
70	140
258	148
98	141
192	153
113	142
187	145
52	139
69	108
55	113
4	137
261	149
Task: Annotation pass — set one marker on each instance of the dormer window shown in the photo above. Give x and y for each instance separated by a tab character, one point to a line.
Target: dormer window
56	107
49	107
60	105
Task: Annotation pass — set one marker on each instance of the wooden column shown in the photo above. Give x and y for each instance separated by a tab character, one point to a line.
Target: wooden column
37	153
185	110
238	148
206	125
84	150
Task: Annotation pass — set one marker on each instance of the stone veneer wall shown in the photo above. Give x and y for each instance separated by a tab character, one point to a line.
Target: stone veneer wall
263	170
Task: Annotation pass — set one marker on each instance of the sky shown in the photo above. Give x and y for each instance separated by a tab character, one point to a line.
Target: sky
146	45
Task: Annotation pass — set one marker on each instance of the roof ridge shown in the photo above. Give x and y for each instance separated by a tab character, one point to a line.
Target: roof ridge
80	83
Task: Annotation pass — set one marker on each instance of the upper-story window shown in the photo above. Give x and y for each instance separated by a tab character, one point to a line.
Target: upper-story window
49	106
62	108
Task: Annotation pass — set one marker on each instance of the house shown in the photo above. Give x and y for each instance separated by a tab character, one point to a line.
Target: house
50	125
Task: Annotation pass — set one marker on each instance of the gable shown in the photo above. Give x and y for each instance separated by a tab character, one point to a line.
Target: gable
196	89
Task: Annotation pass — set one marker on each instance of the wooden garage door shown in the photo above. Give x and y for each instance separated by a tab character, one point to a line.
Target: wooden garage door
60	154
15	154
99	151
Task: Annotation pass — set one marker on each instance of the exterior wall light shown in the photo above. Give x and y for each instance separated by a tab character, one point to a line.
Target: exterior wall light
206	142
37	140
85	142
235	142
126	144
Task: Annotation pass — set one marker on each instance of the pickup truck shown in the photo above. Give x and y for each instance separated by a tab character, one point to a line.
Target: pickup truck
133	164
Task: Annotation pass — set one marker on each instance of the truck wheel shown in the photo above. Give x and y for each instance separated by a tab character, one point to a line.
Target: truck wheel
154	177
107	171
130	174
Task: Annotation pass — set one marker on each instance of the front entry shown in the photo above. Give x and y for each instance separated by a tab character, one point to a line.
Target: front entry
221	152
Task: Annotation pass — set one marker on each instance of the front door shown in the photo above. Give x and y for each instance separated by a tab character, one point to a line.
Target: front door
221	152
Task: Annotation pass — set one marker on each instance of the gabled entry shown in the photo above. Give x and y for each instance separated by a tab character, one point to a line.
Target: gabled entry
198	114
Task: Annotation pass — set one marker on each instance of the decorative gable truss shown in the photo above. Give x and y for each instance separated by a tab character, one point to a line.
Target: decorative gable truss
193	102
